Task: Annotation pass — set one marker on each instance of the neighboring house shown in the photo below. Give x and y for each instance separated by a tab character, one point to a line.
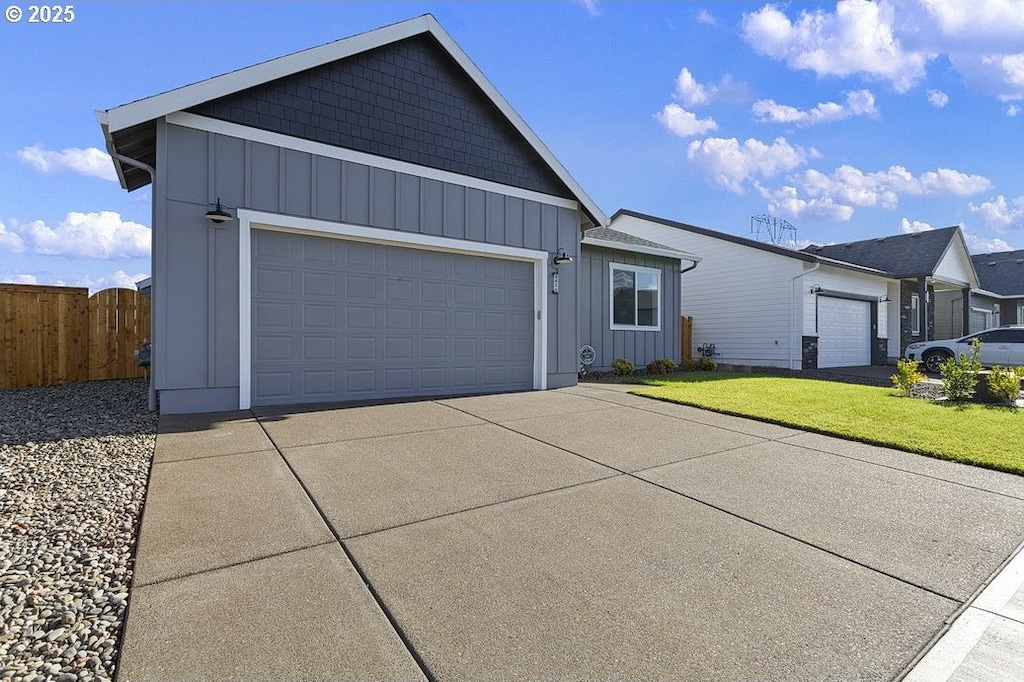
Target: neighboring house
629	298
761	304
145	286
999	298
935	275
391	229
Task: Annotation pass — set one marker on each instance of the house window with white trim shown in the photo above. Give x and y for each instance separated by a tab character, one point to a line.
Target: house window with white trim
635	297
915	314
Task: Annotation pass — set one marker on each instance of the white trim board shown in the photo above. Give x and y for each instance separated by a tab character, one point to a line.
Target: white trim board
213	125
249	220
151	108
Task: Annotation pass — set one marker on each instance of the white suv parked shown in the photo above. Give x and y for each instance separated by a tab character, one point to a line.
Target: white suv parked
1002	346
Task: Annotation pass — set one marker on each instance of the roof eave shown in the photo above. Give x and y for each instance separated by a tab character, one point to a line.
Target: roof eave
638	248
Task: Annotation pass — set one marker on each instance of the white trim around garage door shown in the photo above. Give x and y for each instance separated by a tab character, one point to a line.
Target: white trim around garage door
249	220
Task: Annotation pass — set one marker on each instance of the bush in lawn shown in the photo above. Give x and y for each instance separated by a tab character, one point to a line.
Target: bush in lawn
1004	384
622	367
670	364
692	366
907	376
656	367
708	364
960	374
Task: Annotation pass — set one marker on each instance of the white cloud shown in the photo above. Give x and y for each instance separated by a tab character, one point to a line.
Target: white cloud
786	201
118	279
937	98
102	236
851	186
591	7
1001	214
949	181
1012	110
91	161
10	241
690	92
985	20
706	17
976	244
729	163
858	103
684	123
859	38
908	227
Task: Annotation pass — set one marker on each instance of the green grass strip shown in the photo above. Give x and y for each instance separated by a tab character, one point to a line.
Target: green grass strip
981	435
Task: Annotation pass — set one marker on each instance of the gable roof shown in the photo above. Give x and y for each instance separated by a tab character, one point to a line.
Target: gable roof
613	239
130	129
750	243
904	255
1001	273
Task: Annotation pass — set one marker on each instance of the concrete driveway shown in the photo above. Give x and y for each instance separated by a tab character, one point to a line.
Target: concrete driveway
574	534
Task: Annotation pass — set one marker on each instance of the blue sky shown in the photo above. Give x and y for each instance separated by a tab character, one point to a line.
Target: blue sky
850	120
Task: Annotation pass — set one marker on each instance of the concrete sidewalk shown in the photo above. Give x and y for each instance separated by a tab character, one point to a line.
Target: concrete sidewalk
582	533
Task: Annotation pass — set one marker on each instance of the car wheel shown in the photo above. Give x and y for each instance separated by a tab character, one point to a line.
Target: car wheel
933	360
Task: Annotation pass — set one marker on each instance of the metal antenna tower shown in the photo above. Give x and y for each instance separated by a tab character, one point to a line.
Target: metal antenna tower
772	229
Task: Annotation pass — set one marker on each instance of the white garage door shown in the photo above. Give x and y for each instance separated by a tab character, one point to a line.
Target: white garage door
339	320
844	332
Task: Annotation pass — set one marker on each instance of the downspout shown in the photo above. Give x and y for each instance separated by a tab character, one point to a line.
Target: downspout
151	402
689	268
793	342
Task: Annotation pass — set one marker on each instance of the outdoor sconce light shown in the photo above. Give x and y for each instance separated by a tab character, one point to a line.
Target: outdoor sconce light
816	289
561	257
218	215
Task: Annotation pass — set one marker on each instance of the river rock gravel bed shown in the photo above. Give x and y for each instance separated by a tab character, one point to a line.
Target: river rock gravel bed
74	462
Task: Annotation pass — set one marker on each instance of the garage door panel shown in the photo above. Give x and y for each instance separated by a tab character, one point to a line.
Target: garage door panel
446	324
844	332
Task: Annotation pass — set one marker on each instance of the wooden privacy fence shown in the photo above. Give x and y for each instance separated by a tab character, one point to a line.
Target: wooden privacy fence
55	335
686	339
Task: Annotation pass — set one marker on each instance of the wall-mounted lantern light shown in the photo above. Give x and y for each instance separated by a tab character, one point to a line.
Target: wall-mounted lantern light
561	257
218	216
816	289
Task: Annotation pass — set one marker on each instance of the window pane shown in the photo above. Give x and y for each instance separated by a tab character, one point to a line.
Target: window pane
623	297
647	299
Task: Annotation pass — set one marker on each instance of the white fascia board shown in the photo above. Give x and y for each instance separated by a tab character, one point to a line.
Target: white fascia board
853	266
213	125
991	294
150	108
638	248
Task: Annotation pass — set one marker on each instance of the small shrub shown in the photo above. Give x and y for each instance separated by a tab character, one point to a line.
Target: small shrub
692	366
656	367
708	364
907	376
622	367
1004	384
960	374
670	364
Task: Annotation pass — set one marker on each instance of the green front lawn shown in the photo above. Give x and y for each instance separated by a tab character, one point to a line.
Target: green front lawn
985	436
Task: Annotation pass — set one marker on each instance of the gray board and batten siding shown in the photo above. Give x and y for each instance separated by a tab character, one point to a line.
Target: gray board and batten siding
197	267
638	346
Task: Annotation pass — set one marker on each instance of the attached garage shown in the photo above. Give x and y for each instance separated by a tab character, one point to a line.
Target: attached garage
844	332
340	319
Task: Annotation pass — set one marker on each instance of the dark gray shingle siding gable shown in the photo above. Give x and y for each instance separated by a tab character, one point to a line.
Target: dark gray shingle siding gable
408	101
903	255
1001	273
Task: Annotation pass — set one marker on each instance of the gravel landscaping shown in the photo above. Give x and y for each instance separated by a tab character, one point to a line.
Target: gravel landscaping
74	461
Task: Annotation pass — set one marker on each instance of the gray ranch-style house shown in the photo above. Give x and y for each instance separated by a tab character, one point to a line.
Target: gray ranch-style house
369	220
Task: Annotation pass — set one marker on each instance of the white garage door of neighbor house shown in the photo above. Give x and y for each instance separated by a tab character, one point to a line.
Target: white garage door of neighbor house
844	332
334	320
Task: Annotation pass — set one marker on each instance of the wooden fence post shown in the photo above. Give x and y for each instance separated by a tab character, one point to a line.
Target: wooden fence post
686	339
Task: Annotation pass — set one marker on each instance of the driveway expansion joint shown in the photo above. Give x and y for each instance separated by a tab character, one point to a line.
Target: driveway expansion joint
374	594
